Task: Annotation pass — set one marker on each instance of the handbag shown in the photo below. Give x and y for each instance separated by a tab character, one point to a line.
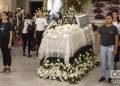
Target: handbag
33	45
29	28
20	41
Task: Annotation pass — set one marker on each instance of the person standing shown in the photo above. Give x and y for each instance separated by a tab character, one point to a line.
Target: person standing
6	35
108	44
116	22
26	34
41	24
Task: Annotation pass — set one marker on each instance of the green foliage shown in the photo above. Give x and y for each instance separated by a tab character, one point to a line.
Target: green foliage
78	4
93	1
84	2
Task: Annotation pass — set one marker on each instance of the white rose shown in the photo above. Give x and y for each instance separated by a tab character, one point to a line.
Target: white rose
64	67
79	58
56	63
51	63
38	71
71	75
90	49
66	78
72	79
46	64
58	60
75	75
80	55
76	60
41	75
61	64
58	73
85	28
85	68
54	78
46	71
90	25
70	71
47	61
91	57
83	55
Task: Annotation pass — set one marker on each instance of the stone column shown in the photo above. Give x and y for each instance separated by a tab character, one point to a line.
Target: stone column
45	3
14	4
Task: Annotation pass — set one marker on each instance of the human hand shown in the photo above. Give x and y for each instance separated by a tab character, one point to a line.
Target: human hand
9	45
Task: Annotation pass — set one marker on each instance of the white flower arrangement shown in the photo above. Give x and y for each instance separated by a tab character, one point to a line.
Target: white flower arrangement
63	31
71	10
70	72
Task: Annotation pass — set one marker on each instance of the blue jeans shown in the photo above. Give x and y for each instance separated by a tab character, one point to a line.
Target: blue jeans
107	57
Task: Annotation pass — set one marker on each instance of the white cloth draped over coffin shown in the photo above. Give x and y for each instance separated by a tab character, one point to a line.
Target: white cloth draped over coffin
66	45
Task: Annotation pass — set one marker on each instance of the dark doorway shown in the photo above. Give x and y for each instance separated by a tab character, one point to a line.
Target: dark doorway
34	5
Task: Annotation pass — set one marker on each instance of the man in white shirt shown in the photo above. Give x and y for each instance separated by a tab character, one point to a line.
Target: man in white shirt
41	24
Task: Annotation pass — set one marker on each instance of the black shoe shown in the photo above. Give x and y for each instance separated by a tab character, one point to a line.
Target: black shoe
115	66
102	79
24	54
29	55
109	80
4	70
8	70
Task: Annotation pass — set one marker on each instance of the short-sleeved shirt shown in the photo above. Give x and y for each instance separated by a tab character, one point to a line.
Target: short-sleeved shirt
40	23
5	29
108	35
117	25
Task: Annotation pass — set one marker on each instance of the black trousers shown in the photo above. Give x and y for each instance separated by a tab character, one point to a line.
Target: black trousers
27	38
117	56
6	52
38	38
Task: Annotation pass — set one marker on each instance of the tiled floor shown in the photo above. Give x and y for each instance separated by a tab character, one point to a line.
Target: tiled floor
24	74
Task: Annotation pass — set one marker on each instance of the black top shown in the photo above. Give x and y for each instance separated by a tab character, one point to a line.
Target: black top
108	35
0	20
5	29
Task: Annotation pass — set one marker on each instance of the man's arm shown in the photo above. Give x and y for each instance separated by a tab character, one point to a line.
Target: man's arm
45	26
98	42
45	23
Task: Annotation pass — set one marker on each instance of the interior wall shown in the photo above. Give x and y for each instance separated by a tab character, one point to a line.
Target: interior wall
5	5
13	4
27	4
10	5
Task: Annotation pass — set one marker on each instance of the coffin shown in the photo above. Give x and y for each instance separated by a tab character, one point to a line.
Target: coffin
82	20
